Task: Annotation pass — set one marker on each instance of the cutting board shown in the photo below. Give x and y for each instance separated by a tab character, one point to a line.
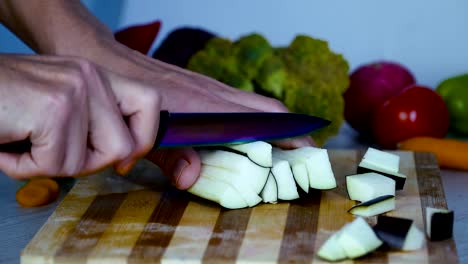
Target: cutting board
110	219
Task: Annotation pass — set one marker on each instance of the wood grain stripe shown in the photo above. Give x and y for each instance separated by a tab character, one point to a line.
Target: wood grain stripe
126	226
335	203
160	227
300	230
431	193
49	239
227	236
92	225
193	233
264	233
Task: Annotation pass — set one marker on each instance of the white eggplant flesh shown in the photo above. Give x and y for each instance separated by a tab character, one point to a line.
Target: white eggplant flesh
244	169
358	239
219	192
243	187
301	177
367	186
269	193
381	159
373	207
415	239
332	250
439	223
384	163
319	171
257	151
284	177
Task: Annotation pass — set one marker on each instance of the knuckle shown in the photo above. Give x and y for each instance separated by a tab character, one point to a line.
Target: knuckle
120	151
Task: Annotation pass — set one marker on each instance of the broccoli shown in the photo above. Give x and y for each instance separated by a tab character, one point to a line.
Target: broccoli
306	75
250	52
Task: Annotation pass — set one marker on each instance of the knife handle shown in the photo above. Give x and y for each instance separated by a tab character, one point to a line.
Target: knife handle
164	117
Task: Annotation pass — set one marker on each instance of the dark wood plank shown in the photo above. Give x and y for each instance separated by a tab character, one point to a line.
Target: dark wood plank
81	241
301	229
227	237
431	192
160	227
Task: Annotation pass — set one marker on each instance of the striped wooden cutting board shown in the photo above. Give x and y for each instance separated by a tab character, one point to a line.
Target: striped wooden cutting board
105	218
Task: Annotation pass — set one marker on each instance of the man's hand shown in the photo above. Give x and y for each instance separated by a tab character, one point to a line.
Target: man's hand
72	112
67	28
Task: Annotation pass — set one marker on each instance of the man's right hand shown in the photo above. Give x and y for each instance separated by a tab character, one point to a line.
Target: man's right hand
72	112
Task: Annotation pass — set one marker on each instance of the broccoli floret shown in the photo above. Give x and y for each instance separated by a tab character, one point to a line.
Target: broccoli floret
251	51
306	75
271	77
317	78
215	60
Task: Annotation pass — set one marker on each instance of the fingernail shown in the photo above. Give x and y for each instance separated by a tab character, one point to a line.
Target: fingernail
179	168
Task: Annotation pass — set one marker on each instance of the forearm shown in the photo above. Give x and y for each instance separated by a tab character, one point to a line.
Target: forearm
53	26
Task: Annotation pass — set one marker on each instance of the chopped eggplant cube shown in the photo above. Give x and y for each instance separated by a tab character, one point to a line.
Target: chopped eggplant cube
367	186
375	206
399	233
358	239
381	159
382	162
399	178
439	223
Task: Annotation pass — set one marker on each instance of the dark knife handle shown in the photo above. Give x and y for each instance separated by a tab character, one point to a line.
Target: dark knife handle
164	117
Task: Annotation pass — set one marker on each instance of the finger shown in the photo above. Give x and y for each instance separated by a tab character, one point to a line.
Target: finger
141	105
292	143
182	166
109	139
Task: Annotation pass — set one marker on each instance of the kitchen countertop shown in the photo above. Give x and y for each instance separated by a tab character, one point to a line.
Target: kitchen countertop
18	225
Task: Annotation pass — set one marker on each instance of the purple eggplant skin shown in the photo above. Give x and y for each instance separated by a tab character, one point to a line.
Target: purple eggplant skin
181	44
399	181
392	230
373	201
441	226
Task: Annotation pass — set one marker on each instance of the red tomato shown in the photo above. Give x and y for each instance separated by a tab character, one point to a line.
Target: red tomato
416	111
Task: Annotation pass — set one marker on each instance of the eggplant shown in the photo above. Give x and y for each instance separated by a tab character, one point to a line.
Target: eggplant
376	206
439	223
399	233
358	238
367	186
311	167
384	163
269	192
284	177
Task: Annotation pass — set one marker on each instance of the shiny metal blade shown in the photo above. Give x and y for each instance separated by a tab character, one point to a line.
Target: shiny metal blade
205	129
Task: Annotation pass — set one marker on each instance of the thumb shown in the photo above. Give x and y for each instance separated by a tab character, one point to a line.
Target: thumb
182	165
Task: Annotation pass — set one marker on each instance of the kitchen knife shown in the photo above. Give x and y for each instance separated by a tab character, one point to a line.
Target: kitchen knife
205	129
208	129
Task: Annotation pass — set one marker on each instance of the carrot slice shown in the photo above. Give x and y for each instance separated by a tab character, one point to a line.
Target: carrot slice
50	184
31	195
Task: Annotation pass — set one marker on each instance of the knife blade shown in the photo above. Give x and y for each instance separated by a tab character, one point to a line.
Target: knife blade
207	129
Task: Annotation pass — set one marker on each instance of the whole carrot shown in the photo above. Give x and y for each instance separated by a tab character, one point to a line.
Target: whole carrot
450	153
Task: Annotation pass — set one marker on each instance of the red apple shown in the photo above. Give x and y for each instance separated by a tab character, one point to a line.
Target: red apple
370	86
416	111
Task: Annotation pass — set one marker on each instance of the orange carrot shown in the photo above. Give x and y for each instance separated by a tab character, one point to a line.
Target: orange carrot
33	195
450	153
38	192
